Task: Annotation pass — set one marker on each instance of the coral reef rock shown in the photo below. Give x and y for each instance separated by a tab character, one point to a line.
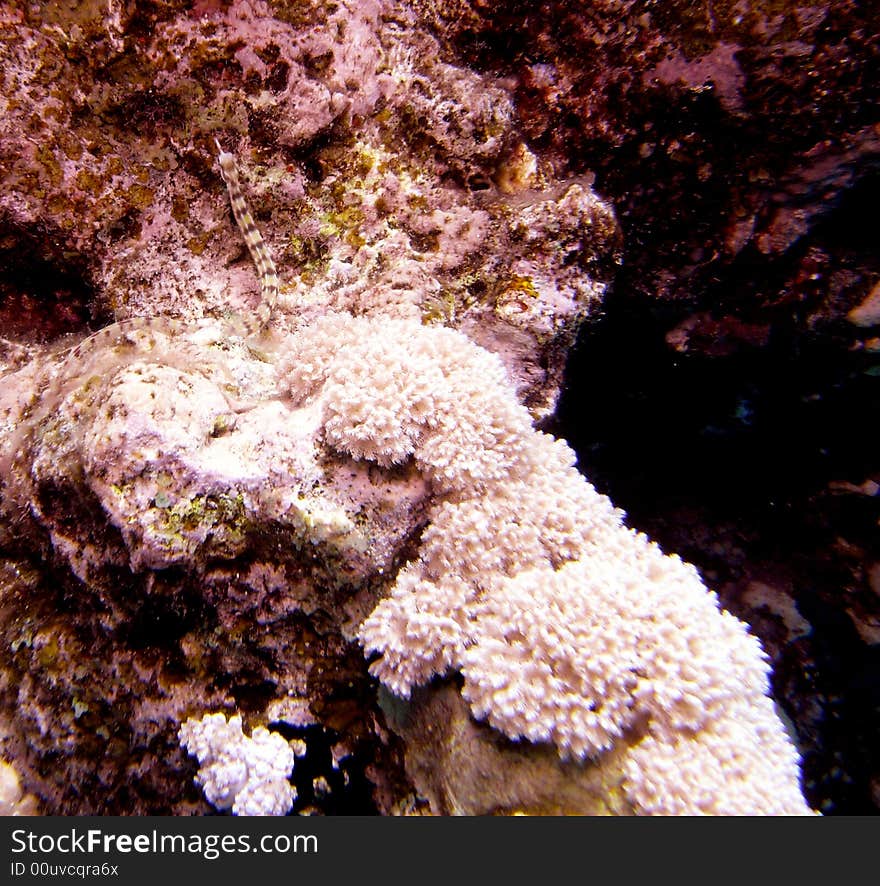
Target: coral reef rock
383	178
335	527
739	142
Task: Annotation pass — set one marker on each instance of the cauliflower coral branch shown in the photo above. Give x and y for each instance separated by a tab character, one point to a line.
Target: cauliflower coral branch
567	626
247	775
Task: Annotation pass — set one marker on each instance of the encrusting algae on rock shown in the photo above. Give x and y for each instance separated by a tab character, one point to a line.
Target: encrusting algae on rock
210	515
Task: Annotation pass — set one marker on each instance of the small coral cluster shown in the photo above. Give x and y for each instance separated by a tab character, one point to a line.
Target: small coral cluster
247	775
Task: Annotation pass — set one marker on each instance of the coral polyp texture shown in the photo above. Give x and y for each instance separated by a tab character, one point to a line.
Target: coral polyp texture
248	776
566	626
322	513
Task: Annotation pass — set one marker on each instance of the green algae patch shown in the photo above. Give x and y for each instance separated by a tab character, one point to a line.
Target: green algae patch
221	521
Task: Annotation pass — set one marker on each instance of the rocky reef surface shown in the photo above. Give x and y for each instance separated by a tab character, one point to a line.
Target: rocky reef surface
199	515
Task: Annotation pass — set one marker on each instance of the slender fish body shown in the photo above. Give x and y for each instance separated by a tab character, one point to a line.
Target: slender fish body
254	242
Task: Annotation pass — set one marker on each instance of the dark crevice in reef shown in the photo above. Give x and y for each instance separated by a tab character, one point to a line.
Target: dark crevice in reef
755	428
756	466
44	294
325	785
